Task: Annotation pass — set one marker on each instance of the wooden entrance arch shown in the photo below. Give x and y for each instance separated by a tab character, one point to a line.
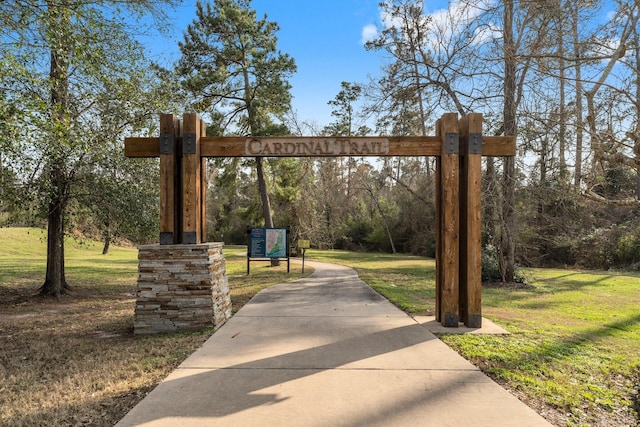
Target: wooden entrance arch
458	146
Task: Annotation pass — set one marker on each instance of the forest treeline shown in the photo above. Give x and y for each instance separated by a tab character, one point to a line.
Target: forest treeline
560	75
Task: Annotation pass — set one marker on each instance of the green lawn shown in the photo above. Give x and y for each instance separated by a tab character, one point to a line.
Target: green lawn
573	353
23	261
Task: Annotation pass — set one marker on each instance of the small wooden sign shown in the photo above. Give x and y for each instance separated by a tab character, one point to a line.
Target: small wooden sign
304	244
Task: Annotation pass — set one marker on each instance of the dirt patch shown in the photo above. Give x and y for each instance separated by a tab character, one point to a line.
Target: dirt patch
74	360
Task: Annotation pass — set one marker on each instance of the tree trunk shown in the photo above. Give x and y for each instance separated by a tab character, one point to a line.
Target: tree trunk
374	199
507	239
577	178
386	224
55	283
107	241
636	138
562	110
264	198
490	216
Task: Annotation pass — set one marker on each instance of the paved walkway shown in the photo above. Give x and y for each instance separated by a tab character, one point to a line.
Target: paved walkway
327	351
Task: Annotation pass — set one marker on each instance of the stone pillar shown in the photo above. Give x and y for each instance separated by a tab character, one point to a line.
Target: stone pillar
181	288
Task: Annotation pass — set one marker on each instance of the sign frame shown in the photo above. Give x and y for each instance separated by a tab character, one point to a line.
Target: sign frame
266	244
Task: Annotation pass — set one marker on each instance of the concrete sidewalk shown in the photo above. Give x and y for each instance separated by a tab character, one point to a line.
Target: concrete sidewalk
327	351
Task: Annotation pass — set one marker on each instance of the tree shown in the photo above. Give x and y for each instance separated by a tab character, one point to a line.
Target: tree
615	139
56	52
344	112
8	115
121	194
577	53
231	65
507	243
404	37
522	34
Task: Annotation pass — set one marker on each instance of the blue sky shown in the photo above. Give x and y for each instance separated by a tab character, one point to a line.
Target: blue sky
324	37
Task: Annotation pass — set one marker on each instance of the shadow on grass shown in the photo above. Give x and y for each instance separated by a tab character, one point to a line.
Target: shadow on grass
573	344
541	305
97	271
577	280
583	343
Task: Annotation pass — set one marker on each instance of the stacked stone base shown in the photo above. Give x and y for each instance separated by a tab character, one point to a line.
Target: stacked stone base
181	288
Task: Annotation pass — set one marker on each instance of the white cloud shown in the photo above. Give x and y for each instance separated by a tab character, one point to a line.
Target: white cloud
445	24
390	21
454	20
369	32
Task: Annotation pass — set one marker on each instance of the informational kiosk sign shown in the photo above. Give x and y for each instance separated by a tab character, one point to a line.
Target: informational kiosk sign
265	244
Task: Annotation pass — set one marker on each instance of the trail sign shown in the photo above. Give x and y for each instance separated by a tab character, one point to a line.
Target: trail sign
268	242
304	244
265	244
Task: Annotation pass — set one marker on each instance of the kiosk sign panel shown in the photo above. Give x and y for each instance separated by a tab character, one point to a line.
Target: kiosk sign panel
268	243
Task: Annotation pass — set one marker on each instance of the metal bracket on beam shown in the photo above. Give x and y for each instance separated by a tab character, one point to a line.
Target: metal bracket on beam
189	143
188	237
166	238
451	143
450	321
475	143
166	143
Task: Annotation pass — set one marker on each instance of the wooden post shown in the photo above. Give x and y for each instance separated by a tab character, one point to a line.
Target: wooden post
191	180
448	222
470	220
438	229
203	187
169	179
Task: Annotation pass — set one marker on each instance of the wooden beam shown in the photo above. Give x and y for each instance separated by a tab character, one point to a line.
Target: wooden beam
234	146
203	186
470	220
449	219
499	146
438	229
191	183
169	179
143	147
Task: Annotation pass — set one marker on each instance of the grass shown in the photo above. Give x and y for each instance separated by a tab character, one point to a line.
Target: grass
75	361
574	349
573	353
